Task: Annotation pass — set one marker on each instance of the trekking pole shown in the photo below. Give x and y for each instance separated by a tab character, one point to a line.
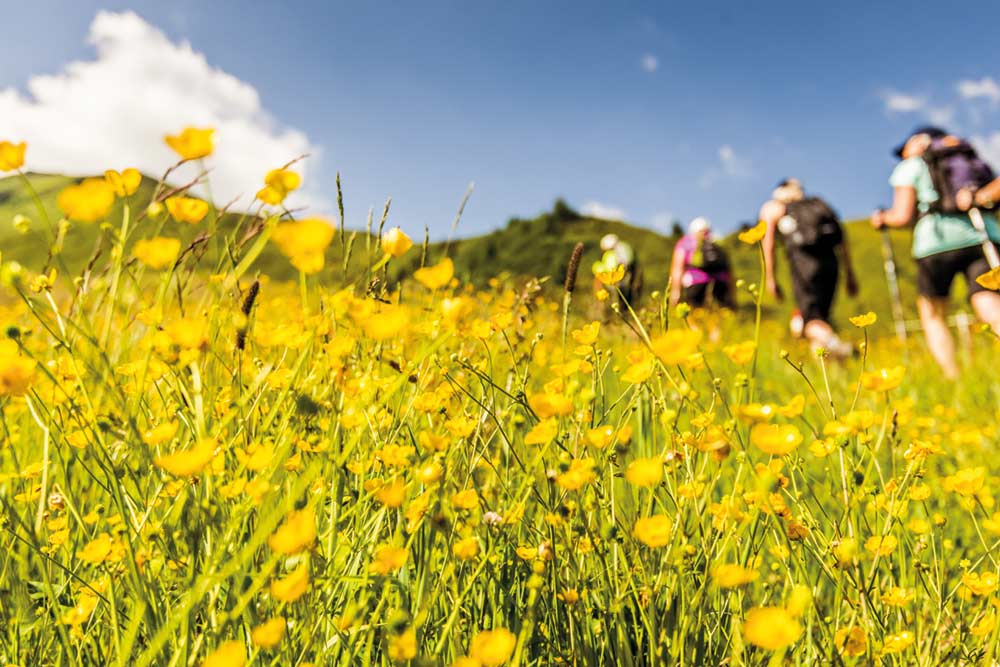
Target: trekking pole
990	250
889	264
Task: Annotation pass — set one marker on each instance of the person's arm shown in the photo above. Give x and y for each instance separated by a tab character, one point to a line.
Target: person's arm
903	211
770	213
676	274
989	194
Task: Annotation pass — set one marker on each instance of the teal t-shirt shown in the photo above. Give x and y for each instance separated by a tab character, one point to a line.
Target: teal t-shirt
937	232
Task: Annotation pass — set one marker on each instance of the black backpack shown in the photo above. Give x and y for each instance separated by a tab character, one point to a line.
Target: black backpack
954	166
810	224
711	258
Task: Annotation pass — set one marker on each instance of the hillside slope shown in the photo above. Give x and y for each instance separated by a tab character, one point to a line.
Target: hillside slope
523	247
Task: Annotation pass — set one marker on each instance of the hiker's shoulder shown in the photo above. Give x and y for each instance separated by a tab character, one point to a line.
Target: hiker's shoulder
772	210
908	171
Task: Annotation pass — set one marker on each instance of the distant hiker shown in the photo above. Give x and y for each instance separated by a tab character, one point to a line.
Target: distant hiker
816	248
700	268
936	172
617	252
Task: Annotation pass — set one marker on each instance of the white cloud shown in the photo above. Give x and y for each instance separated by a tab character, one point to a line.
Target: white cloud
730	164
112	112
899	102
649	63
941	115
983	88
595	209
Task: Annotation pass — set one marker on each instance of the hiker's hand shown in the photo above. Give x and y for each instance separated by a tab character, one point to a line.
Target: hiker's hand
964	199
852	285
878	218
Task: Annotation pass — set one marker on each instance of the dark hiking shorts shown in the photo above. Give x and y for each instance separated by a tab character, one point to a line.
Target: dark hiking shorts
696	295
935	273
814	282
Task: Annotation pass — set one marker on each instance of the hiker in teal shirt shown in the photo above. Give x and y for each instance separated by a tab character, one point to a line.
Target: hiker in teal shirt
945	244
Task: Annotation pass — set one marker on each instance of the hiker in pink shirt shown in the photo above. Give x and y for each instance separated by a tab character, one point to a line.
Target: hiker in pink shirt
700	268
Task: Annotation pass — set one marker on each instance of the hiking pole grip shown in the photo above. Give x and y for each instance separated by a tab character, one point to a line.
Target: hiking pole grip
889	265
990	250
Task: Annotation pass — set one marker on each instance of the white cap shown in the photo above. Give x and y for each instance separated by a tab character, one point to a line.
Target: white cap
699	224
608	241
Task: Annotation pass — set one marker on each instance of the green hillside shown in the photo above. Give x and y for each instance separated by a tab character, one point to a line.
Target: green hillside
523	247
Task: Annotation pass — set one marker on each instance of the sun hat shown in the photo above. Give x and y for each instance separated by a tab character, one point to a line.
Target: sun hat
699	224
609	241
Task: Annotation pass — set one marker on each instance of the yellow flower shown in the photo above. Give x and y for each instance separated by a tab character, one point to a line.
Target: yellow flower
898	643
187	333
732	575
771	628
304	242
587	334
980	584
543	432
984	626
793	408
97	550
885	379
966	482
601	437
754	234
579	473
610	276
896	597
192	143
990	279
188	462
229	654
466	549
17	373
740	353
547	405
187	209
269	634
125	183
881	545
12	155
392	494
862	321
676	345
437	276
88	201
293	586
776	439
851	641
387	323
277	185
403	647
653	531
493	648
388	559
158	252
645	472
396	242
466	499
296	534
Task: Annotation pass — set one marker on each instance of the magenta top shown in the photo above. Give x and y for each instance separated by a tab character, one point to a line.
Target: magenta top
692	274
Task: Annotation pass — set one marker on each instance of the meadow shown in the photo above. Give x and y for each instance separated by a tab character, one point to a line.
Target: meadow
368	457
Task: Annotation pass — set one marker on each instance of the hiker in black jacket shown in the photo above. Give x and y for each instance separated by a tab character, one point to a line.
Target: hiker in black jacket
816	248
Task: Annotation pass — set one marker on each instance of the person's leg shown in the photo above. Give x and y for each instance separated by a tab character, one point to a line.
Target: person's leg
933	312
985	303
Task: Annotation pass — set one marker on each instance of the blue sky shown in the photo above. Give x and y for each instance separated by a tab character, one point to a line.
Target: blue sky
658	110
